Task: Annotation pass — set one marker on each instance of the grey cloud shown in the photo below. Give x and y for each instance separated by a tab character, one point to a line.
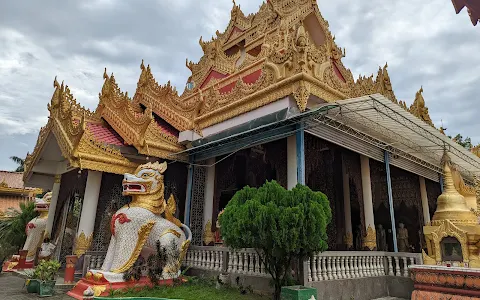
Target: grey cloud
425	43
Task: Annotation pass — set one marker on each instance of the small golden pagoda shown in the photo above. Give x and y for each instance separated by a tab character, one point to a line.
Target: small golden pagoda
453	235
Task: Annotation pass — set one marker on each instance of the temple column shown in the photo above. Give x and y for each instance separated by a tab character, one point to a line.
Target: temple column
390	201
370	240
209	192
89	210
291	161
53	205
423	194
300	153
348	239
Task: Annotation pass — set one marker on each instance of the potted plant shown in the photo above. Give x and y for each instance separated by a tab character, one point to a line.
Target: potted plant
47	271
31	282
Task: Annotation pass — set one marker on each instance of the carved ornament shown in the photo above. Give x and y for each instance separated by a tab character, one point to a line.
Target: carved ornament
83	243
447	229
348	240
370	239
208	236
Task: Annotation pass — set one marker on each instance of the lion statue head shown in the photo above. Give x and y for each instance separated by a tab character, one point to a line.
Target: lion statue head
147	180
43	204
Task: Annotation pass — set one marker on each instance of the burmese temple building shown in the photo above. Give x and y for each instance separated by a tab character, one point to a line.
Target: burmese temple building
270	99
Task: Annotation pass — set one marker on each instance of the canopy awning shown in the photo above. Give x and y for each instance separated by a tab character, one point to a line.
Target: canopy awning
378	121
259	131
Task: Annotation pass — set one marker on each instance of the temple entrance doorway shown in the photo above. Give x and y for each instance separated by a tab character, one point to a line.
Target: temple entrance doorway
70	219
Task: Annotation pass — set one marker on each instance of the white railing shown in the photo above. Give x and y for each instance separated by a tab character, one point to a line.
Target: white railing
222	259
333	265
330	265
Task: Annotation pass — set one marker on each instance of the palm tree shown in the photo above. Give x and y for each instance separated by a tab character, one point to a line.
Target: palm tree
20	162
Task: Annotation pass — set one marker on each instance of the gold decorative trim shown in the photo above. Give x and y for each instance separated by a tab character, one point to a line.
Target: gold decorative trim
427	260
370	239
348	239
98	289
143	233
83	243
171	231
58	178
170	210
447	228
208	236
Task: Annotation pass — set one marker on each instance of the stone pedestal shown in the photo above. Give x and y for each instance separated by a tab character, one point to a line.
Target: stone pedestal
22	259
70	268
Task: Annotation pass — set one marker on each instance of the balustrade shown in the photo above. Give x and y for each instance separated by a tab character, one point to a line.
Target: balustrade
332	265
328	265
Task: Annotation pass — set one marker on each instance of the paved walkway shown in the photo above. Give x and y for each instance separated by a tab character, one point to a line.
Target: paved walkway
12	288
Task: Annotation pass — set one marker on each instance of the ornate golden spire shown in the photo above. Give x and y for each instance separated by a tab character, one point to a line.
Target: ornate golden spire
419	109
450	204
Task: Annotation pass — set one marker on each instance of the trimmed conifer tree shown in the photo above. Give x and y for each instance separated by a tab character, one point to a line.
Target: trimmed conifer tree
281	225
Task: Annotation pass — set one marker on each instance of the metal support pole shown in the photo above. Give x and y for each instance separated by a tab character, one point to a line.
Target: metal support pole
189	194
390	200
300	140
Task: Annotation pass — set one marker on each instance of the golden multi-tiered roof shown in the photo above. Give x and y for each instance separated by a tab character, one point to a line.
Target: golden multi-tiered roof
285	49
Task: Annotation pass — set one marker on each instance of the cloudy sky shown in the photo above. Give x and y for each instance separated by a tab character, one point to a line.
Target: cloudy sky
424	42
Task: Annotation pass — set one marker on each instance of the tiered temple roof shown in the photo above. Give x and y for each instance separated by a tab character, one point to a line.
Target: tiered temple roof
285	49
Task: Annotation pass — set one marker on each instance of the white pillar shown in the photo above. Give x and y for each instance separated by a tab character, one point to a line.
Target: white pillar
347	209
89	211
423	193
291	162
209	192
53	205
370	240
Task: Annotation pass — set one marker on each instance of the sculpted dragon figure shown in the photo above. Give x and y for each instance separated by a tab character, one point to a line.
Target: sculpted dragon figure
138	226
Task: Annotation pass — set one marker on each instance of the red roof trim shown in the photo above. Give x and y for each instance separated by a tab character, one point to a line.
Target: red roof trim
248	79
337	71
105	134
211	75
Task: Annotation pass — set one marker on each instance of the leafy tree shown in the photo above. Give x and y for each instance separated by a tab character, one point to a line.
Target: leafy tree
12	229
281	225
20	162
466	143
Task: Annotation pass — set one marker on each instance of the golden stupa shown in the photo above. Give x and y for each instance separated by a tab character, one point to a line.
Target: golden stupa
453	235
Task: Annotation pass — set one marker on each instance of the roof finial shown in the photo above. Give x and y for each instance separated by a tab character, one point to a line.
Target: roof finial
55	83
105	75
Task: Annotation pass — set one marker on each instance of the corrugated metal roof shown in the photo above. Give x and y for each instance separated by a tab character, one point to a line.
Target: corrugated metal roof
400	132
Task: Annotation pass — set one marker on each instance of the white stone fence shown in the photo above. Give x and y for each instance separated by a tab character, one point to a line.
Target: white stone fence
329	265
332	265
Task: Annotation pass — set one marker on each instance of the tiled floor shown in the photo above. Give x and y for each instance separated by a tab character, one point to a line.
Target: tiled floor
12	288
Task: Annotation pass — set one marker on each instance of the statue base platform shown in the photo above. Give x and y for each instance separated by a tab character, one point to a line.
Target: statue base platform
102	287
12	266
440	282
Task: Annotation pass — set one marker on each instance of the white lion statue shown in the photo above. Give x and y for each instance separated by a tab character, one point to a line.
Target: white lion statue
35	229
138	226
